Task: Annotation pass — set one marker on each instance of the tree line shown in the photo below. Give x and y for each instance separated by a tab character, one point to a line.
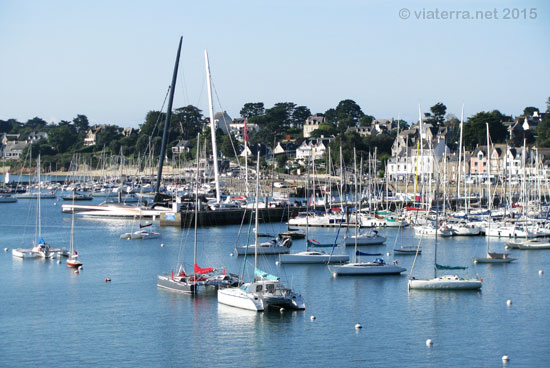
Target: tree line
283	119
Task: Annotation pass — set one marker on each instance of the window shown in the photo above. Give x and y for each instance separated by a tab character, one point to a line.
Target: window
258	288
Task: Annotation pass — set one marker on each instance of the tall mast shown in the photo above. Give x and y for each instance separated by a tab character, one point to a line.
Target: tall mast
307	207
167	122
459	158
256	207
39	197
196	212
212	127
488	172
356	209
436	224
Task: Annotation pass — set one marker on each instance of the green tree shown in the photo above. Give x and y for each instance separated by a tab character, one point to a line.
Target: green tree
475	131
325	130
299	116
81	123
330	116
62	137
106	135
252	109
281	161
226	146
529	110
543	131
437	115
349	110
36	124
366	121
188	121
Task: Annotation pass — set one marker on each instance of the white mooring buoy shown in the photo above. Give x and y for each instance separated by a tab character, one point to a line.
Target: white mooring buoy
277	263
505	358
281	310
540	272
312	318
358	326
387	254
231	254
6	249
508	302
162	245
59	261
429	342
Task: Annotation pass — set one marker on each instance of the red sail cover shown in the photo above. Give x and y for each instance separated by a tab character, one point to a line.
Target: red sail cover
409	208
203	270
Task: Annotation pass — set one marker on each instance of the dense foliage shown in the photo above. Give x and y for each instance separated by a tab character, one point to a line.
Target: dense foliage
284	120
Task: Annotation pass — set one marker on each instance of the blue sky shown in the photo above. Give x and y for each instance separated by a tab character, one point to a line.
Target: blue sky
112	60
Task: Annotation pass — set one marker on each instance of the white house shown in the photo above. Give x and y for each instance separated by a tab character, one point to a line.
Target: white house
313	147
312	123
236	127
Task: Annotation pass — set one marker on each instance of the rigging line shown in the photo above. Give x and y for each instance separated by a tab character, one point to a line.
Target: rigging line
183	86
227	127
201	92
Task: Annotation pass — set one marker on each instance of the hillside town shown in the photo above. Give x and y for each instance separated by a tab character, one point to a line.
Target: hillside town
517	144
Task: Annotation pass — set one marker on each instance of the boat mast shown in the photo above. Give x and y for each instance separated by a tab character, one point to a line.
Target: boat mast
488	186
356	209
212	127
39	221
459	158
194	290
436	224
167	122
307	207
256	206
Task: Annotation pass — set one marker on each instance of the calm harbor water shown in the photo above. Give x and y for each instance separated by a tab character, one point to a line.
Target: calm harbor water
50	316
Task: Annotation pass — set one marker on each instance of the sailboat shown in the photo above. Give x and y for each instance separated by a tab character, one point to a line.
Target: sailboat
312	256
265	290
446	282
40	249
491	257
406	250
376	267
73	260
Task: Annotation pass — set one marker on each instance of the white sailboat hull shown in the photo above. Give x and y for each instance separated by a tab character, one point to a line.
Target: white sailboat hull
365	240
445	283
493	260
366	269
238	298
312	257
242	250
24	253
